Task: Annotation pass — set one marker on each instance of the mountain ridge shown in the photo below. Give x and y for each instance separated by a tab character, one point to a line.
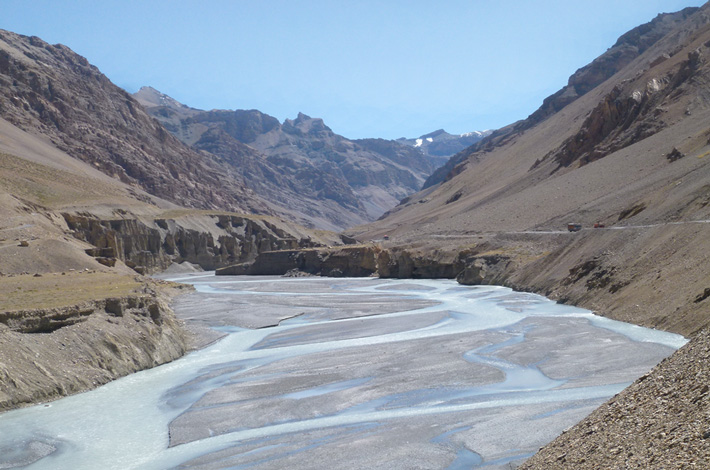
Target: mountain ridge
441	145
300	162
626	49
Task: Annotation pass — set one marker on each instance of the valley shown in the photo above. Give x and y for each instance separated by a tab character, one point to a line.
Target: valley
101	189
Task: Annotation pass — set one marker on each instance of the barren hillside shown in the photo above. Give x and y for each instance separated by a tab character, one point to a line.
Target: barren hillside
49	91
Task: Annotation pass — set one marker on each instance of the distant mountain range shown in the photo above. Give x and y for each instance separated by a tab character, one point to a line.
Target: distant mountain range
442	145
313	175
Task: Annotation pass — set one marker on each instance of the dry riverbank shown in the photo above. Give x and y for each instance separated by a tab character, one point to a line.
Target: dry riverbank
62	334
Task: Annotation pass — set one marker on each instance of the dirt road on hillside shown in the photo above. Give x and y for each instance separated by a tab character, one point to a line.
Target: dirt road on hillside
558	232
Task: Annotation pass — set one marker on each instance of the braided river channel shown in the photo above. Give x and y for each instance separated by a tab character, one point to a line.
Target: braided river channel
325	373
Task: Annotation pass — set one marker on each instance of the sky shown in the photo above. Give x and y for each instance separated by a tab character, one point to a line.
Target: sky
387	68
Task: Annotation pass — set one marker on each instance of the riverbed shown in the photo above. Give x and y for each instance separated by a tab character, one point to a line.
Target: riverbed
349	374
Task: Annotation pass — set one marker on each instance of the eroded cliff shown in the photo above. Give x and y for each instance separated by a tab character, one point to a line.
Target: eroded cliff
208	240
50	352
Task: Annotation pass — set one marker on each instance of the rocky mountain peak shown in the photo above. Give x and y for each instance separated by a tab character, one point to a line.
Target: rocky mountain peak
306	125
149	97
434	134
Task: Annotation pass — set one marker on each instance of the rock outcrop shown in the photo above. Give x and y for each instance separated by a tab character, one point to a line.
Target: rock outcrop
210	241
626	116
49	353
487	269
350	261
405	264
49	320
366	260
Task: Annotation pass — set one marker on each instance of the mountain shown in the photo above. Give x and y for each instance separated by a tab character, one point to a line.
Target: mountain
82	164
318	177
49	90
243	161
149	97
626	49
440	145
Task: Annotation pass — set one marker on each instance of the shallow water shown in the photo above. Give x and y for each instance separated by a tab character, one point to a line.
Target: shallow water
357	373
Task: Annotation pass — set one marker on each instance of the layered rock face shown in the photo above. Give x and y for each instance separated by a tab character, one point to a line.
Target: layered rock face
356	261
208	241
353	261
50	353
405	264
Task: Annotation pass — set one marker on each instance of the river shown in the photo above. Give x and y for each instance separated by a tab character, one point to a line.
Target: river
349	374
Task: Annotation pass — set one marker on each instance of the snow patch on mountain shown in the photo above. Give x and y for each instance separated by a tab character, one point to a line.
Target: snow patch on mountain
442	145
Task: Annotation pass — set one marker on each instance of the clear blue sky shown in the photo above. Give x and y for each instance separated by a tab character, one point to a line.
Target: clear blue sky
368	68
